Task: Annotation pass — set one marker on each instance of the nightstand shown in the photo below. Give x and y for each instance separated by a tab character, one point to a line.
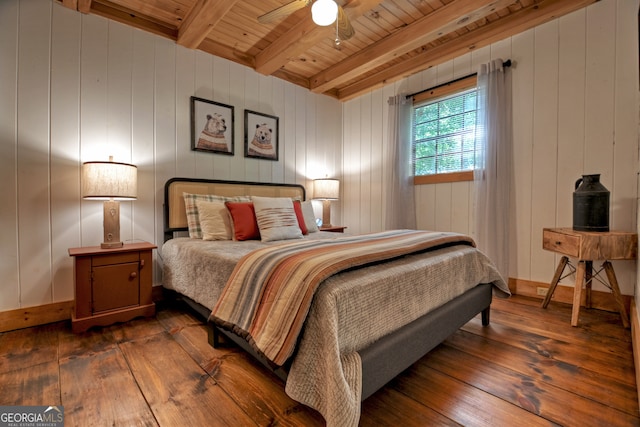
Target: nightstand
333	228
111	285
586	247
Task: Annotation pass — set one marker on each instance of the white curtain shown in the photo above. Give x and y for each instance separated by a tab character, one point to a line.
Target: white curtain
492	176
400	204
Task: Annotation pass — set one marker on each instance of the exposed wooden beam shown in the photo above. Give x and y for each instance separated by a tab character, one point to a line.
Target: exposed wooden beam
290	44
223	51
303	36
84	6
226	52
292	78
203	16
71	4
444	20
517	22
132	18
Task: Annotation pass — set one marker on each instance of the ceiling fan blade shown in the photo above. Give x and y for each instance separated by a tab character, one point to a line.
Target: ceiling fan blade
282	11
345	30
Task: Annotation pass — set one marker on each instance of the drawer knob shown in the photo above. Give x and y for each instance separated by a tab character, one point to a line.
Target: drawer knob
558	243
133	275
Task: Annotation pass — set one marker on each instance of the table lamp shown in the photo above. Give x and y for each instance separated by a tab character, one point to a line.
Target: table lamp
326	189
110	181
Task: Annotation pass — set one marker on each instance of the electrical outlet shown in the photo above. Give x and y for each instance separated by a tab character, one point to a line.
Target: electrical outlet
542	291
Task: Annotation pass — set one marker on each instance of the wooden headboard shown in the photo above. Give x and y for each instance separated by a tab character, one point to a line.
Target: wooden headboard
175	217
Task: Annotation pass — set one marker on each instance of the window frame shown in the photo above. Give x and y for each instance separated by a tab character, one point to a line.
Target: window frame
450	88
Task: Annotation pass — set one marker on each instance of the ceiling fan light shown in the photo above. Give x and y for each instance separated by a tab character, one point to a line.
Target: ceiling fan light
324	12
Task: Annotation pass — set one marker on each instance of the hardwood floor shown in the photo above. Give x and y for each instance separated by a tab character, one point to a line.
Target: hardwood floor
529	367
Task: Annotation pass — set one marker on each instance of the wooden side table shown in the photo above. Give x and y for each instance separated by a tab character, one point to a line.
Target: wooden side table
587	247
111	285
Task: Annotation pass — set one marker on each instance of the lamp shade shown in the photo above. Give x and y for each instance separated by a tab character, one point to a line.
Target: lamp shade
324	12
109	180
327	189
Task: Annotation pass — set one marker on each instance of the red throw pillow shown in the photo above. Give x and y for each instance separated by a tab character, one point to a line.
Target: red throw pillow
243	216
297	207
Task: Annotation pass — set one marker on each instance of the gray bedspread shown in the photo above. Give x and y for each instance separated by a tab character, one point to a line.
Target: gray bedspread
350	310
199	269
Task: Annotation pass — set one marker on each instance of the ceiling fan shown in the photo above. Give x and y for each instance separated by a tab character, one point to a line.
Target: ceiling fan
323	13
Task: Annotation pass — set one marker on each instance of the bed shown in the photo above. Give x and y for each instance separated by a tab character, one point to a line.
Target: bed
365	324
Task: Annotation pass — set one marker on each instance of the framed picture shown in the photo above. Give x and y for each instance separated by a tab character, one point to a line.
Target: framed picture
211	126
261	134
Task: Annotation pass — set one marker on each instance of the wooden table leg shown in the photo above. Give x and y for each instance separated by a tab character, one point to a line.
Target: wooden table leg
577	293
613	281
588	276
556	278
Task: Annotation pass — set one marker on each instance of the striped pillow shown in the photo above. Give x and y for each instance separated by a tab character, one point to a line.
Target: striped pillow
193	220
276	218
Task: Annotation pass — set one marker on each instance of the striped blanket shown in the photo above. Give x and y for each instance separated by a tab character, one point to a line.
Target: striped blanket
268	295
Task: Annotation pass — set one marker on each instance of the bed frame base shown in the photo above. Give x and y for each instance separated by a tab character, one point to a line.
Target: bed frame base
382	361
389	356
215	334
219	338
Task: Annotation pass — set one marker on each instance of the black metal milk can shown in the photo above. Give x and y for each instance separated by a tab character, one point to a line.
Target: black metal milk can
590	204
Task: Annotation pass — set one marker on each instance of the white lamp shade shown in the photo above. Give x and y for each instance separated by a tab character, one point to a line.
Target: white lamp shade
109	180
324	12
327	189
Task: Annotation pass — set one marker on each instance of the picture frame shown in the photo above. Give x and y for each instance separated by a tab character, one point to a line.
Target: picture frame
212	126
261	135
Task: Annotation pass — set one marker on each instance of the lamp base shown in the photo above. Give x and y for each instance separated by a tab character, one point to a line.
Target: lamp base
326	214
111	224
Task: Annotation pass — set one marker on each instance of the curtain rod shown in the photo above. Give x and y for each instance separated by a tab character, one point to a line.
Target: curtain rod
506	63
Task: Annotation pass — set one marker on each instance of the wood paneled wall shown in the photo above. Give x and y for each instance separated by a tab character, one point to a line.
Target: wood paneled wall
78	87
575	111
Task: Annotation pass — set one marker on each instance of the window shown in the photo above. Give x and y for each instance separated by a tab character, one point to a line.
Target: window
443	132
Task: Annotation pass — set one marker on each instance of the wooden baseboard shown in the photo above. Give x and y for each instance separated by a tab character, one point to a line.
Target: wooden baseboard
34	316
635	342
599	300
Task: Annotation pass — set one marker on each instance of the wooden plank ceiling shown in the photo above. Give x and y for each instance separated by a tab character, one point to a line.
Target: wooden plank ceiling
393	38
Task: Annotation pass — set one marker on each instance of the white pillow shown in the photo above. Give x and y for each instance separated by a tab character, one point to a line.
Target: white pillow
214	220
276	218
193	220
309	217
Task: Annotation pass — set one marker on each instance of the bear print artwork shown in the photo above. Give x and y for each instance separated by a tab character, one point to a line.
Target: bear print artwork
261	143
212	136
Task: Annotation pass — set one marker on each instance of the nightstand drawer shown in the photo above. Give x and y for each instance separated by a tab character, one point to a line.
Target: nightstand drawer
122	258
334	228
560	242
591	245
